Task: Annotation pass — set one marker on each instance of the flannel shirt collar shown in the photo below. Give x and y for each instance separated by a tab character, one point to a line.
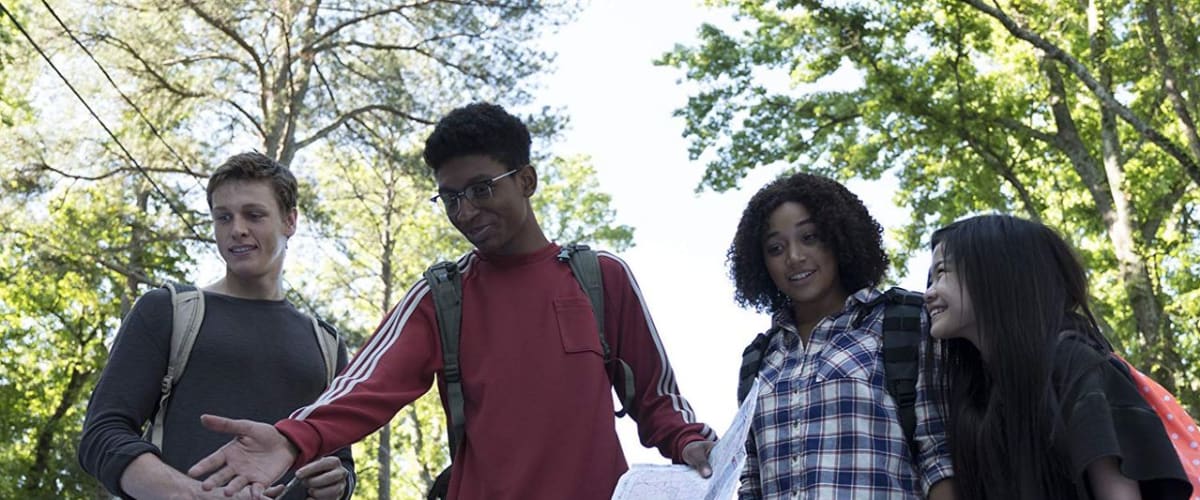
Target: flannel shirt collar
782	320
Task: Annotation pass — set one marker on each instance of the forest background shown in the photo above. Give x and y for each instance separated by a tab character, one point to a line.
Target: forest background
654	125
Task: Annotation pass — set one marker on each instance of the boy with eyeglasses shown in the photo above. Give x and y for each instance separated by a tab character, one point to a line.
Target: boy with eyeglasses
538	404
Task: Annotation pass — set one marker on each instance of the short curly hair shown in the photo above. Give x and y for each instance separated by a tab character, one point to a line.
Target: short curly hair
479	129
842	220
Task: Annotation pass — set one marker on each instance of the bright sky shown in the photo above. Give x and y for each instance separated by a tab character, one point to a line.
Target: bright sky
621	106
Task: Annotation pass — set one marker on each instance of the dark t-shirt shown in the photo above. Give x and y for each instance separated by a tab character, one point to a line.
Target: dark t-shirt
253	359
1105	415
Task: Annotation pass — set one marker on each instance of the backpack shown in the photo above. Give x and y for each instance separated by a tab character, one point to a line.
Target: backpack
1175	419
901	349
187	303
1180	427
445	283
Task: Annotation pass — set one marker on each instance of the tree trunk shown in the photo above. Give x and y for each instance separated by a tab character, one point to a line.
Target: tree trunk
45	435
1147	310
385	434
384	458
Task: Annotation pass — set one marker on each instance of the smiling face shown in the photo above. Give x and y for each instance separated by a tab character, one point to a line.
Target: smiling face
502	224
251	230
951	313
801	263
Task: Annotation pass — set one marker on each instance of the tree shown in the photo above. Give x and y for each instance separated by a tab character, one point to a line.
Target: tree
1049	109
59	265
296	73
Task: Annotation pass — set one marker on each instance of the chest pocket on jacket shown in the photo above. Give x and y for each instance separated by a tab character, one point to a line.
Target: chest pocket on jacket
577	325
852	355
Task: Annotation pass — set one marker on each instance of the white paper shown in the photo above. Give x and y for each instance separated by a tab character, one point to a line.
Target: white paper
680	482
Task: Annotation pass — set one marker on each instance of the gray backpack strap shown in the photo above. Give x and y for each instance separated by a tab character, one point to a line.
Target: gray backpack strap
752	358
901	355
327	338
585	265
187	302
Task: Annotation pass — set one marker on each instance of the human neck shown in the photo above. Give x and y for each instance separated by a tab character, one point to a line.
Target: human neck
808	315
264	288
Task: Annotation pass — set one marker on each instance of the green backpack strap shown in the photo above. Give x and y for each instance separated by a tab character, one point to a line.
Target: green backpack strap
585	265
902	336
445	283
187	304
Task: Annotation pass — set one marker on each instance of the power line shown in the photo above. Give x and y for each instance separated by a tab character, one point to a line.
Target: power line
110	133
153	129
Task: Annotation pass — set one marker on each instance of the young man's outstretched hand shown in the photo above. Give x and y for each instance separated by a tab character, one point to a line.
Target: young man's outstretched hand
256	457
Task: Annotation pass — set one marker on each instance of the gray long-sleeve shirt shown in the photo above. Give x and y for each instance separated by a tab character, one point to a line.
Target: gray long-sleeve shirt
253	359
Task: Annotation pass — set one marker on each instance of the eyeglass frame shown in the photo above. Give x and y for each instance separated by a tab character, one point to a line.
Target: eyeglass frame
457	196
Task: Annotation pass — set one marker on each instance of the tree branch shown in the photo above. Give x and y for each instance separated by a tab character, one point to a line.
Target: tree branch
146	67
1052	51
45	434
1072	145
253	121
1160	208
355	112
229	32
331	32
1160	56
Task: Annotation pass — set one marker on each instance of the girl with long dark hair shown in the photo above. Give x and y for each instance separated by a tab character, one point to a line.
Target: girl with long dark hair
1034	407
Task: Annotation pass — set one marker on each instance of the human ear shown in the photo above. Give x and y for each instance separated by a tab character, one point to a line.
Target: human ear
529	181
289	222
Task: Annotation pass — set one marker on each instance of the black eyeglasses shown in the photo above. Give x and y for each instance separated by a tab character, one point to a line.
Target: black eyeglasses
481	190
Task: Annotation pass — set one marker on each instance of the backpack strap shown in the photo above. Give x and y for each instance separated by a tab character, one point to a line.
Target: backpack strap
752	358
585	265
446	284
902	336
327	338
187	303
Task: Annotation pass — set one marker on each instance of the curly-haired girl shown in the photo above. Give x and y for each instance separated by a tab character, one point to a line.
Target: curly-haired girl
808	252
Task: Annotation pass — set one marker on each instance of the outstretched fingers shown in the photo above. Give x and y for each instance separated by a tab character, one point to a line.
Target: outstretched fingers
256	457
226	425
237	483
210	466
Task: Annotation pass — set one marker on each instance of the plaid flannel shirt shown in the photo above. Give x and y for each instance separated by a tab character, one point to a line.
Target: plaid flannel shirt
826	427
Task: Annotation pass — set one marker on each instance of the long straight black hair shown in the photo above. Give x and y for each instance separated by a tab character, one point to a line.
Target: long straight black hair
1026	286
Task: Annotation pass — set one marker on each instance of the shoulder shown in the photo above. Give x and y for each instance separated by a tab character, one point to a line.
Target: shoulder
1081	371
153	306
461	265
1073	354
865	309
897	295
157	297
613	265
